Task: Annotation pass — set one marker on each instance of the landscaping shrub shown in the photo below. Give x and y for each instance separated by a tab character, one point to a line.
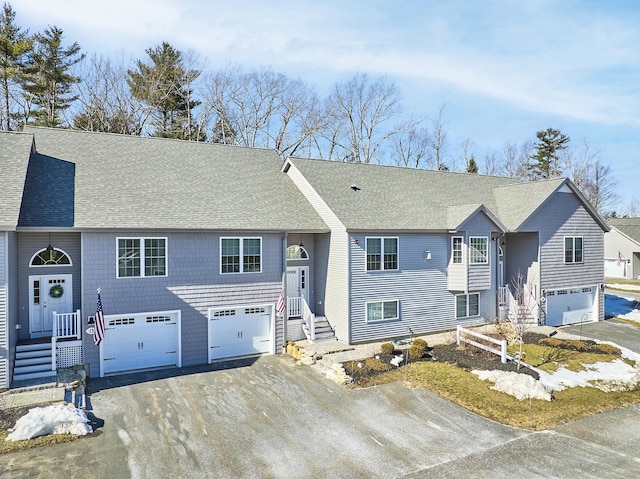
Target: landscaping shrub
387	348
418	348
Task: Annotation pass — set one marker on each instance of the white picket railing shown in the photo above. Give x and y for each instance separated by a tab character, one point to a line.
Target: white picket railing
461	337
294	307
65	325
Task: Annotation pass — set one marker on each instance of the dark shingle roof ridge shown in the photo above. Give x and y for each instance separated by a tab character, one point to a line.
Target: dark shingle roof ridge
143	138
407	168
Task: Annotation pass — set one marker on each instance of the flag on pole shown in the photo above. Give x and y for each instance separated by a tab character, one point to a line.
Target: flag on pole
619	258
280	304
98	331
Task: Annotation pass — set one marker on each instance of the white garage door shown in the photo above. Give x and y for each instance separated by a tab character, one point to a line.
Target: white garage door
240	331
139	341
615	269
569	306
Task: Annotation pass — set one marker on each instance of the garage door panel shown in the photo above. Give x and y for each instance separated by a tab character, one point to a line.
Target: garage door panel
568	306
239	331
140	341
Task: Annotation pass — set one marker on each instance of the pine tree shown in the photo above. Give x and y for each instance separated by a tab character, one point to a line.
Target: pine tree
46	80
164	86
472	166
545	162
14	46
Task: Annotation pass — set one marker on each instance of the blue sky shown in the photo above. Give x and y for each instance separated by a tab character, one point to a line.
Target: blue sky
503	69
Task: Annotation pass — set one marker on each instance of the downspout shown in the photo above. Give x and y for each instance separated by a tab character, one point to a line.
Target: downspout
284	289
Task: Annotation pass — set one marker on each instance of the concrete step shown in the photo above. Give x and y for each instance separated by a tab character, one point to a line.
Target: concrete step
40	374
31	368
36	353
33	347
46	359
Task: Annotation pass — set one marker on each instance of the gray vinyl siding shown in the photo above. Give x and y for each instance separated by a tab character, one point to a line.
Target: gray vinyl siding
419	285
336	297
564	216
4	311
321	250
521	257
28	245
193	285
480	275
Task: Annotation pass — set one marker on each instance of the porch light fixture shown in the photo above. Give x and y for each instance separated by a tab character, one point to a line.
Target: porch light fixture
427	255
49	247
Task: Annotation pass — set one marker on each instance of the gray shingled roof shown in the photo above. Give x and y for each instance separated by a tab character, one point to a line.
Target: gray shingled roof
114	181
628	226
14	159
408	199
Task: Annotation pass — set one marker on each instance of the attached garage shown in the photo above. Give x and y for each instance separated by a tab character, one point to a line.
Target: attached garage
240	331
141	341
572	305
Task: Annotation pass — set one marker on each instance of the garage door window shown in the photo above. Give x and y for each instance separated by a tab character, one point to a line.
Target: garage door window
573	249
241	255
142	257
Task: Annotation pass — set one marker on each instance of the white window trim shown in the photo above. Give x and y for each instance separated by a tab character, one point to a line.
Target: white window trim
31	265
461	238
382	268
471	249
573	249
467	315
300	248
366	311
241	253
142	262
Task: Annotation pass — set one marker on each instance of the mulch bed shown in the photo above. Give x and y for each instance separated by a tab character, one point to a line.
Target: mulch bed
465	356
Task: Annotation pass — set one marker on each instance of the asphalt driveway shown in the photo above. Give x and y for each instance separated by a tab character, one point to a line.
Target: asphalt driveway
273	418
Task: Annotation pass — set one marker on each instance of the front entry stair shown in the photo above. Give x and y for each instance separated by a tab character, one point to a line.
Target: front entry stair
33	361
323	330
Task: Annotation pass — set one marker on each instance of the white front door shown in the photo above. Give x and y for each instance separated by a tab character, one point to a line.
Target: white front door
297	287
48	294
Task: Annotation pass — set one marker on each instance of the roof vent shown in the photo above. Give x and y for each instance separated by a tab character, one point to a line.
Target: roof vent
355	187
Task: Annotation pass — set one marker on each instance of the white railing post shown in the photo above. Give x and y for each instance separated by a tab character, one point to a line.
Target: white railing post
503	356
54	335
458	334
78	325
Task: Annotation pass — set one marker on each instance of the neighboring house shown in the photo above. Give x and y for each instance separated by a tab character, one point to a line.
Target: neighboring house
191	245
622	249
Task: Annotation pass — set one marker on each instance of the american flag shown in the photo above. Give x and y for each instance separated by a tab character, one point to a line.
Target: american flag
619	258
98	331
280	304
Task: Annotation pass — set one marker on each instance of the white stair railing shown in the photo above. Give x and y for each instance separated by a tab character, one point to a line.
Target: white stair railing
309	319
294	307
65	325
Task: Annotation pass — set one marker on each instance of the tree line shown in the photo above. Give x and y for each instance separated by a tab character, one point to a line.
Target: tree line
168	94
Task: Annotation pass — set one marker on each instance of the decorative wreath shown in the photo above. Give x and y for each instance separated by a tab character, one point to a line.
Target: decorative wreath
56	291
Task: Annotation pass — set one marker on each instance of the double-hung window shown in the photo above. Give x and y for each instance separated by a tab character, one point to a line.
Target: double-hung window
142	257
382	254
240	255
478	250
467	305
456	250
382	310
573	249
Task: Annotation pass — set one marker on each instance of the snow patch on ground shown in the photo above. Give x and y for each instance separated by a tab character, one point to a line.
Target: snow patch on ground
41	421
521	386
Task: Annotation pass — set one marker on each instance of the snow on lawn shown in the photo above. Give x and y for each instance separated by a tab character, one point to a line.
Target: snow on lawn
608	376
41	421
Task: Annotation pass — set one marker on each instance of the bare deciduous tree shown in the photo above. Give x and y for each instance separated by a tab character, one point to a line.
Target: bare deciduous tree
524	308
410	146
360	114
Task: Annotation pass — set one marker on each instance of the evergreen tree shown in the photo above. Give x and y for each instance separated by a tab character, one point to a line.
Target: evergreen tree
545	162
46	79
14	46
164	85
472	166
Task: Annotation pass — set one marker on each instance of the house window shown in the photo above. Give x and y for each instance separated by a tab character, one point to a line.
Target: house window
573	249
142	257
297	252
382	310
382	254
50	257
240	255
456	250
467	305
478	250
